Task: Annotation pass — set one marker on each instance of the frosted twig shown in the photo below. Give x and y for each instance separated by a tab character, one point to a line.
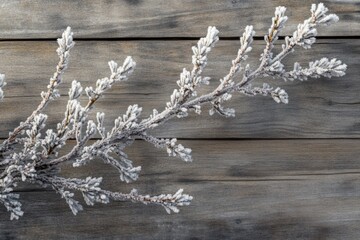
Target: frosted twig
36	158
65	44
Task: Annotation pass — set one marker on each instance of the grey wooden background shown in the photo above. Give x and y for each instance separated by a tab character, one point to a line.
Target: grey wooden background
273	172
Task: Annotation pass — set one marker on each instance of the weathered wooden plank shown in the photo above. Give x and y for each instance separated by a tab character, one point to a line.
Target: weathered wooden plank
318	108
299	214
236	160
259	189
157	18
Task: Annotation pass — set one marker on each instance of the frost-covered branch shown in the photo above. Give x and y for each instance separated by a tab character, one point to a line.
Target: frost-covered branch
173	149
320	68
65	43
31	153
306	33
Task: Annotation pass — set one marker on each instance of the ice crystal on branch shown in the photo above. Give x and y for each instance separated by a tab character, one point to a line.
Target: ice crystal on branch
320	68
31	153
2	84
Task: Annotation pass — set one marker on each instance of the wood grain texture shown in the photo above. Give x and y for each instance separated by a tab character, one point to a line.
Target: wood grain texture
319	108
257	189
159	18
253	185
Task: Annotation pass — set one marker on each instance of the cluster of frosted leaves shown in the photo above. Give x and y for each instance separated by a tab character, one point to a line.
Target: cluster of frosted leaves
89	188
11	202
304	36
121	162
171	146
92	194
217	106
246	41
278	23
278	94
203	47
320	68
306	33
170	202
118	73
190	80
178	150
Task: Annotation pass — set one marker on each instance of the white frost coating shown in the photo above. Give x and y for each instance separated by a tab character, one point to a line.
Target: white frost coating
31	153
320	68
2	84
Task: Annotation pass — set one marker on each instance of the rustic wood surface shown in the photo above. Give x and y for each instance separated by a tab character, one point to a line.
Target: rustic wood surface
273	172
160	18
244	189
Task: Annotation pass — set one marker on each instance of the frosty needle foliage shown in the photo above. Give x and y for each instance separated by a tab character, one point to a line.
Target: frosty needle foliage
31	154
